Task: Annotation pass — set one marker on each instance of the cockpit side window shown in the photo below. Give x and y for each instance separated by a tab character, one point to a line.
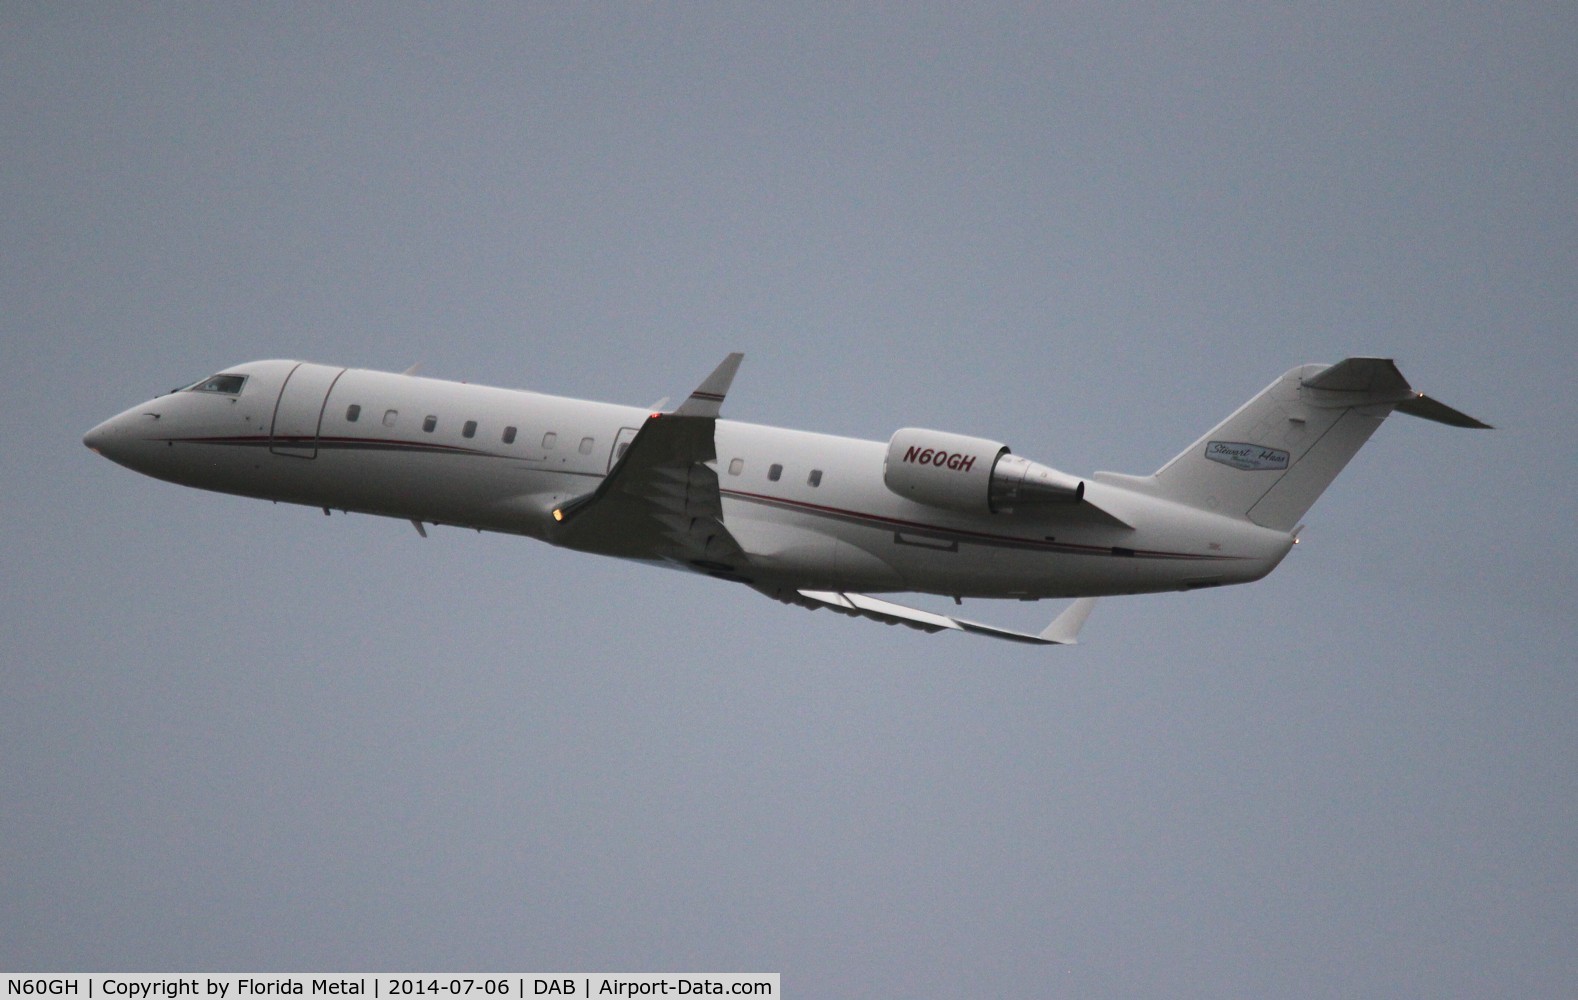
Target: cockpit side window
230	385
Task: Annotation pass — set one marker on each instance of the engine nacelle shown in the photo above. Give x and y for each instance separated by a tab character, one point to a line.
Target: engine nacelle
942	470
970	474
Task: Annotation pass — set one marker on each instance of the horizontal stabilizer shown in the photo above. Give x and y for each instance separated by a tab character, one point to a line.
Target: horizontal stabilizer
1063	630
1356	381
1429	409
1377	380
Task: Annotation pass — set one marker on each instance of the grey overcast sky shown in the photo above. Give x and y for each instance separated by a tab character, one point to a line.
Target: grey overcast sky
237	736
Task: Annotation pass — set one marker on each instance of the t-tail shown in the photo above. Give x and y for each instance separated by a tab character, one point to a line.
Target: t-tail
1270	460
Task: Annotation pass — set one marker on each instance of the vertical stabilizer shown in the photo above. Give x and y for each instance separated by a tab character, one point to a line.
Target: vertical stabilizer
1269	461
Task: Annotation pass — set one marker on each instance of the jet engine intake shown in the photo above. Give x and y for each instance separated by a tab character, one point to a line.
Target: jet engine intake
971	475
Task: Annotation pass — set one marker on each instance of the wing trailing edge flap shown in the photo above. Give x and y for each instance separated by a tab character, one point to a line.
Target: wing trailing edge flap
1063	631
661	500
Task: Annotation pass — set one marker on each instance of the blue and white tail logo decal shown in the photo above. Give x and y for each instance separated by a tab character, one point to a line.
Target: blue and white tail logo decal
1249	457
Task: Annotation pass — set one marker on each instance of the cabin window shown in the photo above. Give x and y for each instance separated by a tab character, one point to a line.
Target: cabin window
619	452
352	412
390	416
469	430
815	478
430	423
775	472
230	385
509	435
549	440
736	466
586	446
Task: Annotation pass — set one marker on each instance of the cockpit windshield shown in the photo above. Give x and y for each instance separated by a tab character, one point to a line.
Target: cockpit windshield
230	385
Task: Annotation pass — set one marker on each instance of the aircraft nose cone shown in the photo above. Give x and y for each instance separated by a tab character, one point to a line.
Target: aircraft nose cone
98	437
115	439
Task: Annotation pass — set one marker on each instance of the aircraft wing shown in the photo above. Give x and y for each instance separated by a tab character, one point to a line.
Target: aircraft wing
1064	629
661	500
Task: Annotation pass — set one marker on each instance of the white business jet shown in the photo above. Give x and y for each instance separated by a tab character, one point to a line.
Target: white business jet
810	519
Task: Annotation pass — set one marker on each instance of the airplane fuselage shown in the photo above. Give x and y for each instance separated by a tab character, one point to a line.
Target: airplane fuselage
810	511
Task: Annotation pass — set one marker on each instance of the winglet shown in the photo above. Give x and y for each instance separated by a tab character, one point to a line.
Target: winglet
1065	627
707	400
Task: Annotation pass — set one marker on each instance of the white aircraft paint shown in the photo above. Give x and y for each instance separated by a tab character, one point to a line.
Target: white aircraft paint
810	519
